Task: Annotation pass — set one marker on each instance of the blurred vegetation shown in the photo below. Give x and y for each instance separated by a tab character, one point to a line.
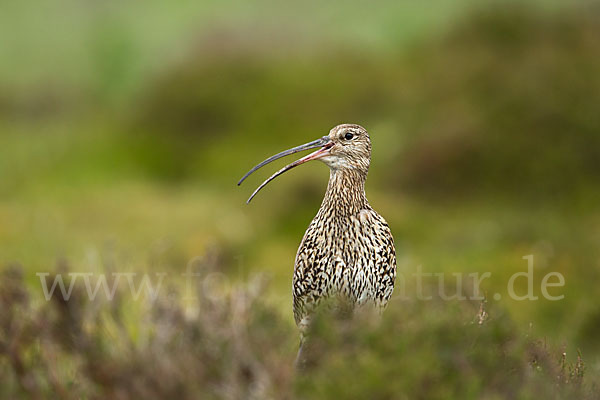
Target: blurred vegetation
237	346
503	105
123	154
513	94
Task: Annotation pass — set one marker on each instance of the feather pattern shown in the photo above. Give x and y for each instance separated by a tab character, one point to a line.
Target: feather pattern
348	250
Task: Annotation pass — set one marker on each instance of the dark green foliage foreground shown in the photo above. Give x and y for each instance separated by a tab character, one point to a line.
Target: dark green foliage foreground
236	346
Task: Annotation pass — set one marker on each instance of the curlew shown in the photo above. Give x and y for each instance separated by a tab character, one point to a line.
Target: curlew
347	252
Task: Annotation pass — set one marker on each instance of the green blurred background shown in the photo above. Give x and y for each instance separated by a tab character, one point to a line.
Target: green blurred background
124	127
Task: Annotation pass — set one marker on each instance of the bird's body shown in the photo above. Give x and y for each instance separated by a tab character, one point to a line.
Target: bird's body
347	252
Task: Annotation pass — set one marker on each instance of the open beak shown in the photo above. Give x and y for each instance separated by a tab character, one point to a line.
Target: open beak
324	143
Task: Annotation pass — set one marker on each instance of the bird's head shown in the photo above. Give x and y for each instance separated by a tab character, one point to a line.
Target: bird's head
350	148
347	147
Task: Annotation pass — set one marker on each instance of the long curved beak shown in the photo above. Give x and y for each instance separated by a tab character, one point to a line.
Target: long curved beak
324	143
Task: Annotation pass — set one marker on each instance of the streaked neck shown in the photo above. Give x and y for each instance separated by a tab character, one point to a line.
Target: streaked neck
345	193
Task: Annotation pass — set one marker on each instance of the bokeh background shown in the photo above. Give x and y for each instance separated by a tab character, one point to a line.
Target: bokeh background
124	127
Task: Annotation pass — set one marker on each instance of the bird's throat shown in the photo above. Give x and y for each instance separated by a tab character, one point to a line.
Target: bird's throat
345	193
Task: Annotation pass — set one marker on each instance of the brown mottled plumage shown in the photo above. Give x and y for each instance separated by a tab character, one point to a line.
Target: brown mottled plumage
348	250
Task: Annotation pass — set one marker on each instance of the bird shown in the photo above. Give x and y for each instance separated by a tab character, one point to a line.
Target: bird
348	252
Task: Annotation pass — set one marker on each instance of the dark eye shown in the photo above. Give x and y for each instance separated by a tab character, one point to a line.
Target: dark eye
348	136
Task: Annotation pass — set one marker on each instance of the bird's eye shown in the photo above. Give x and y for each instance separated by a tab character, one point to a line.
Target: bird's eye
348	136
